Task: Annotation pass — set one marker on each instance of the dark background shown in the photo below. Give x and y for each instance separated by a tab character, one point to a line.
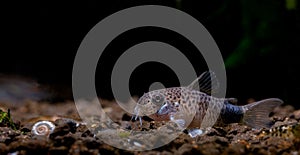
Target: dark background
259	41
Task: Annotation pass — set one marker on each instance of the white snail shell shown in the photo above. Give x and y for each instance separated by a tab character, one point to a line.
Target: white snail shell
43	128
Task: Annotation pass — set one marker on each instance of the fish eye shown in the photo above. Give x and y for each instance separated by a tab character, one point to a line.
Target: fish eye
158	99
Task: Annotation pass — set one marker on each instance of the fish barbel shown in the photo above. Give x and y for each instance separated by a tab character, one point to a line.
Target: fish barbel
196	109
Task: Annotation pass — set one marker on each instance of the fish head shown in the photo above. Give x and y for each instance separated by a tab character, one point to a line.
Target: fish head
150	103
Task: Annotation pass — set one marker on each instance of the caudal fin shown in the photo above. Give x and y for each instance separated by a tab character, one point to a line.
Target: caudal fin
257	114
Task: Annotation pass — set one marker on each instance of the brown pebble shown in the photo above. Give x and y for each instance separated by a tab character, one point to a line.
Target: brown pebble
3	148
296	114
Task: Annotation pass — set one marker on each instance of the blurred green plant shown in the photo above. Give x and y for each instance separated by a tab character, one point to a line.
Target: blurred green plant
264	29
291	4
5	119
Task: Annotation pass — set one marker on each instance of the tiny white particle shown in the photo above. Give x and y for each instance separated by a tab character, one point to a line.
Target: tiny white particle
137	144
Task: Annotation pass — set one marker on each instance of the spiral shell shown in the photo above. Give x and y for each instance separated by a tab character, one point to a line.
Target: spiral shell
43	128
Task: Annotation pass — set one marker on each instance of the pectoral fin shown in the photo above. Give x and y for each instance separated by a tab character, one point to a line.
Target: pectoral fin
163	110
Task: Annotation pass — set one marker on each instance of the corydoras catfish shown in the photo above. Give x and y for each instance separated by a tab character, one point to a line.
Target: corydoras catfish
194	108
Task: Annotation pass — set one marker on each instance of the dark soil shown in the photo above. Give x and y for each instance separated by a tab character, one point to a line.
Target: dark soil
68	138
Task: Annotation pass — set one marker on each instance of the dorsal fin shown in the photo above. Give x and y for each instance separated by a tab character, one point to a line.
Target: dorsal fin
207	83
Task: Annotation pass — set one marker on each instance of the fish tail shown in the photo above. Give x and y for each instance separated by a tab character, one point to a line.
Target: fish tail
256	115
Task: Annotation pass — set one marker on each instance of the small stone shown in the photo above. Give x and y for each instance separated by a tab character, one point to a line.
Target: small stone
296	114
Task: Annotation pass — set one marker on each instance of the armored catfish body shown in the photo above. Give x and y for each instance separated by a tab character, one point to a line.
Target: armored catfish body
196	108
